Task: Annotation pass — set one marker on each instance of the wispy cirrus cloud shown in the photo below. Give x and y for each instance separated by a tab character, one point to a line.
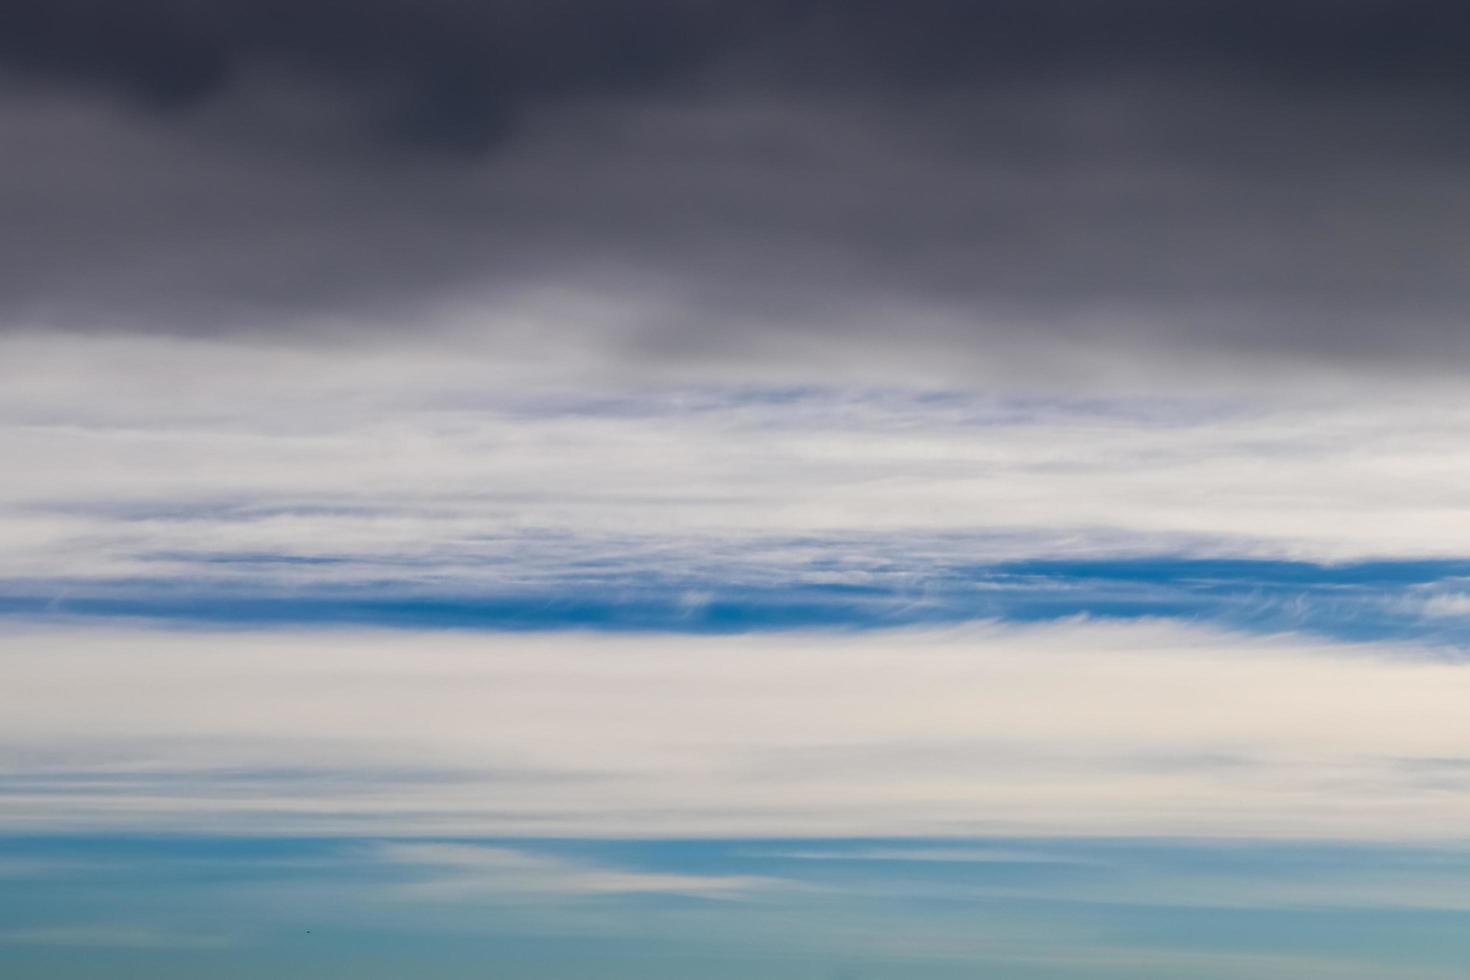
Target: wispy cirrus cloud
450	871
430	491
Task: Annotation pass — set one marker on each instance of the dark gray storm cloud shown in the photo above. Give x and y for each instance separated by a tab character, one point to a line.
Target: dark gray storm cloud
462	72
448	72
990	182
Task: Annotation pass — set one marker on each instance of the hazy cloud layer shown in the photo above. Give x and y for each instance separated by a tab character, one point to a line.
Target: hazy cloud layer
1054	192
1074	729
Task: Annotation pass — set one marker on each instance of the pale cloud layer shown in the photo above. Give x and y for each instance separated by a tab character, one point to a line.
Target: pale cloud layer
131	462
1072	729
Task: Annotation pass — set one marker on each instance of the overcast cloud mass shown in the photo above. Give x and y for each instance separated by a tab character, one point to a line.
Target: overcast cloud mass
1074	191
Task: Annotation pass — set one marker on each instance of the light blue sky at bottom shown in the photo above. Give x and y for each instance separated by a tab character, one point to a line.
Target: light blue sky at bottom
75	907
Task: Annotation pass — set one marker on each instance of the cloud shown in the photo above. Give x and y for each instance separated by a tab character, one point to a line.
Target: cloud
928	854
460	870
172	477
1449	605
1071	729
475	67
1056	194
449	74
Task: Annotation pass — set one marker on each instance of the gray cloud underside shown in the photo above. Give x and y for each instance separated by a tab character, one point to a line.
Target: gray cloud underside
1053	190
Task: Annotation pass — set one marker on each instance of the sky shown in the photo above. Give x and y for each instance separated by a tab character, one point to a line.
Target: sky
667	489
